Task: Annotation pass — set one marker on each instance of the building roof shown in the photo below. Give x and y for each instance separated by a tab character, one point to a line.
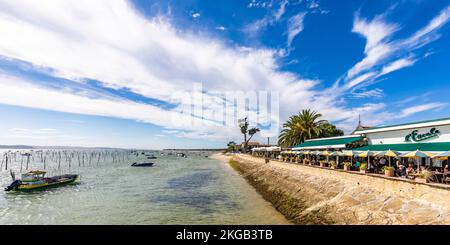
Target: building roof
427	123
334	142
435	147
360	126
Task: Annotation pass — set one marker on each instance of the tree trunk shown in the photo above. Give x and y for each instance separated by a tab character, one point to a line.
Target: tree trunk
245	143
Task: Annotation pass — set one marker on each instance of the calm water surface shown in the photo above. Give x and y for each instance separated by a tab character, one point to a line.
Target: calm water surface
192	190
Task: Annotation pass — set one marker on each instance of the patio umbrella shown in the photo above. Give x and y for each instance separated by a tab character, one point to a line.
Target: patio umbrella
336	154
350	153
442	155
389	153
316	152
417	154
367	154
327	154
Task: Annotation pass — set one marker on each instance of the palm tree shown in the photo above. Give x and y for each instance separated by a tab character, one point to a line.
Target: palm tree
304	126
243	125
329	130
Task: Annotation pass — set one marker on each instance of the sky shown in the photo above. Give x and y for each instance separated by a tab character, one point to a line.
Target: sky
163	73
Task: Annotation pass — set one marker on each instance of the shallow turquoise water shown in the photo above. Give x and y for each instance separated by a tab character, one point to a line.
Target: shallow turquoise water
193	190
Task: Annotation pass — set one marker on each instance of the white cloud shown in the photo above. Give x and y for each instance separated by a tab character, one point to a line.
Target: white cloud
260	4
397	65
364	93
221	28
313	4
376	33
111	42
383	54
356	81
195	15
295	26
271	18
420	108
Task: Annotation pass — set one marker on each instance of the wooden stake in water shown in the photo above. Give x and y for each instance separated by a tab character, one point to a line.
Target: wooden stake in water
59	160
28	159
3	159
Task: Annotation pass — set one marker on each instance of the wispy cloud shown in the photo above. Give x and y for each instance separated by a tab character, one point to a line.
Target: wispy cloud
295	26
383	53
365	93
273	17
195	15
420	108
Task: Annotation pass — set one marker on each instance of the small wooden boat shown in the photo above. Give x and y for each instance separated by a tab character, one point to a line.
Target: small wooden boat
144	164
36	180
181	155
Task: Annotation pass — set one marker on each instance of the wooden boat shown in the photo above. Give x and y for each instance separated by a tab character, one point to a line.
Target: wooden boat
144	164
36	180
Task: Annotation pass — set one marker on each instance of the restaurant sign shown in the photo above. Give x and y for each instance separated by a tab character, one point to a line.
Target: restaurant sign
416	137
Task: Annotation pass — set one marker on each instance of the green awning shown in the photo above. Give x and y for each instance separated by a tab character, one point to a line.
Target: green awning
330	142
441	146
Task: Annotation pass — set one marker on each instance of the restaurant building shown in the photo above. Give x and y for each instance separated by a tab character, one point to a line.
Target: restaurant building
431	136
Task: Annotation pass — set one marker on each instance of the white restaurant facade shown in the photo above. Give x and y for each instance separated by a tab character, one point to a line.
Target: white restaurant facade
431	136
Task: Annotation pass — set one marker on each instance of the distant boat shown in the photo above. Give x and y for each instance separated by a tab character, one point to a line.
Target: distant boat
144	164
150	157
181	155
36	180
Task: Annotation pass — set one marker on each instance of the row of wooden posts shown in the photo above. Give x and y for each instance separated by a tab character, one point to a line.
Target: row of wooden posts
47	157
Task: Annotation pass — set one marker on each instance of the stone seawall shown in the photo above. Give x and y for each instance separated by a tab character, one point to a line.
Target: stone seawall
310	195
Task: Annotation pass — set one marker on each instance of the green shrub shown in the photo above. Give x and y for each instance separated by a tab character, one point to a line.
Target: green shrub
388	168
347	164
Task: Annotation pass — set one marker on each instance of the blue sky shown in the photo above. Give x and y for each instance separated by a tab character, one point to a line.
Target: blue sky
108	73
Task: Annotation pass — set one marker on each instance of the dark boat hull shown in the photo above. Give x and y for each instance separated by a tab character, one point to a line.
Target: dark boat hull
147	164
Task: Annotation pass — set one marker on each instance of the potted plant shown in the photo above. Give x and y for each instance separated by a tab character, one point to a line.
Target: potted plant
322	163
306	161
333	164
347	166
363	168
388	171
423	177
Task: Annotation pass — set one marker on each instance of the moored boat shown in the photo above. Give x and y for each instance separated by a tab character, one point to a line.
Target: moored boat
144	164
36	180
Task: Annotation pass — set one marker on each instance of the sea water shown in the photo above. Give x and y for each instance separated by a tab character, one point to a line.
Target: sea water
176	190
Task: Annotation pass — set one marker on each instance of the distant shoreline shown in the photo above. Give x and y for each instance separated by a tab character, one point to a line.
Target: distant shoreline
194	149
31	147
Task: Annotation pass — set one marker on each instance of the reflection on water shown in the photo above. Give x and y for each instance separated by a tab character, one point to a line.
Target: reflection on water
193	190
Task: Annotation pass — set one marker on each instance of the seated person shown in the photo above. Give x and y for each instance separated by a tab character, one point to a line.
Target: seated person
410	170
357	164
446	170
401	171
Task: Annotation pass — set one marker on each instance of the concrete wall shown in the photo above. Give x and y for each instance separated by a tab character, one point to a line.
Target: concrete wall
312	195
